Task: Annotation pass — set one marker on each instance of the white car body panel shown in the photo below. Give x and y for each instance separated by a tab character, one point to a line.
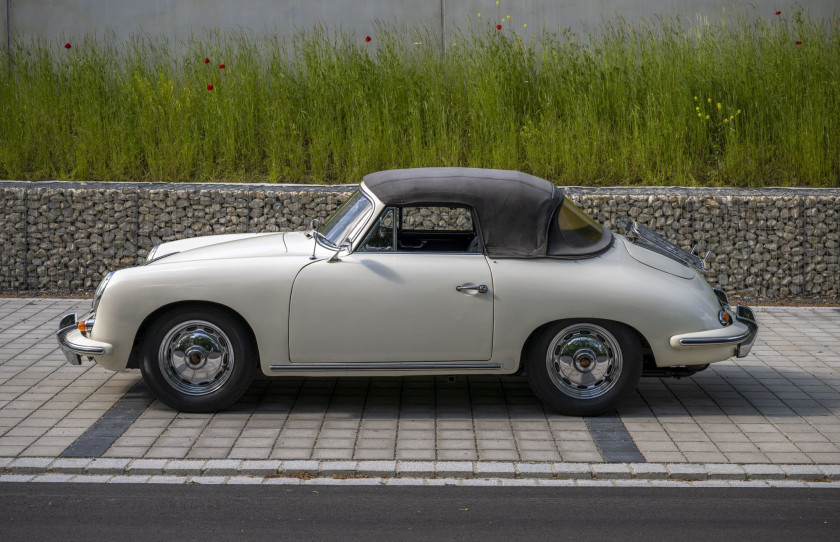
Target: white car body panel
374	307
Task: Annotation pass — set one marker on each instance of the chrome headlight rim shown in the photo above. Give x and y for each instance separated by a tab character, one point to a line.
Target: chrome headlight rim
99	291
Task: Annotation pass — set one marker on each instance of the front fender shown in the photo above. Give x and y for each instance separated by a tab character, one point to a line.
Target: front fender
258	289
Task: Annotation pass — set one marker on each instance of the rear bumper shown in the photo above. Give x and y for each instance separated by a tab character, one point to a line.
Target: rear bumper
741	334
74	345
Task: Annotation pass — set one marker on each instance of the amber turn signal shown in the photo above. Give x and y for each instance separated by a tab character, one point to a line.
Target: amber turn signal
724	318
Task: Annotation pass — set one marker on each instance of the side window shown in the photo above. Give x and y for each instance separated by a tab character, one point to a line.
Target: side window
381	237
437	228
436	219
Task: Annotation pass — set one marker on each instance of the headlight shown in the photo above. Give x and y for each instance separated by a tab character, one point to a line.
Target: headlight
100	290
151	255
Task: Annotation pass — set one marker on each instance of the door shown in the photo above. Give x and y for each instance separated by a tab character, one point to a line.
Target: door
392	307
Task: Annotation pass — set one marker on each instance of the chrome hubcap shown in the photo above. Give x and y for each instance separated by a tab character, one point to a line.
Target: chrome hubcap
196	357
584	361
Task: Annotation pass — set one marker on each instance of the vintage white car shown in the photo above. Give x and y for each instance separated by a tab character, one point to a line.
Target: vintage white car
433	271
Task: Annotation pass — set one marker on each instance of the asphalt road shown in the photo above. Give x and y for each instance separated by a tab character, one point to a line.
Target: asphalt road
67	511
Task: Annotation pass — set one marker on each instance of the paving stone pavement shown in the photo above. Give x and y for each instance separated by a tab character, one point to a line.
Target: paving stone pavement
778	406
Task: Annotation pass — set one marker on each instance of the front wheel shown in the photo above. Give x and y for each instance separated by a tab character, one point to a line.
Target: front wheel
198	359
584	368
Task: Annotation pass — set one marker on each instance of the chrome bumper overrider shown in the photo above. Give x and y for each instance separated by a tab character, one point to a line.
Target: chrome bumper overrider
743	340
74	345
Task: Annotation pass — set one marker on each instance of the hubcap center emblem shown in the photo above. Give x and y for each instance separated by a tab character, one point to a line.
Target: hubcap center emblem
196	357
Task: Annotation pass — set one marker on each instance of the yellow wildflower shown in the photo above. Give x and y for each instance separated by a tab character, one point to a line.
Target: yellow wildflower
697	108
525	25
700	115
738	112
497	2
479	15
731	117
725	121
707	117
719	106
709	100
508	16
695	98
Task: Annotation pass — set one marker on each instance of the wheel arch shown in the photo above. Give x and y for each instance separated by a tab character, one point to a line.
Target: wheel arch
647	353
139	337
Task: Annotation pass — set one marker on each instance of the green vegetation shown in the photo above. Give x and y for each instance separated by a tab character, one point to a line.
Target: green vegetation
662	103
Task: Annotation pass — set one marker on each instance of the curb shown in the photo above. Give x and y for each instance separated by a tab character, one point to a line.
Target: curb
307	469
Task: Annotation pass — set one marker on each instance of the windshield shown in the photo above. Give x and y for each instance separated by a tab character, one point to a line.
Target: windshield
341	224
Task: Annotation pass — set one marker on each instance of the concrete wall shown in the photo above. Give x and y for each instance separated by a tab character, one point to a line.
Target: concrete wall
776	243
62	19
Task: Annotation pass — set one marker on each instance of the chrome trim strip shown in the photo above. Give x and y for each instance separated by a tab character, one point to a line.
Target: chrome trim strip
386	367
77	348
694	341
162	256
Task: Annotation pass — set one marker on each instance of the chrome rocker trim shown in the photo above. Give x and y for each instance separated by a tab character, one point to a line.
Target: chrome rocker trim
744	340
73	351
385	367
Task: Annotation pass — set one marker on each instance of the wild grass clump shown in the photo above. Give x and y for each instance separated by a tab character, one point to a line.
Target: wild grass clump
745	103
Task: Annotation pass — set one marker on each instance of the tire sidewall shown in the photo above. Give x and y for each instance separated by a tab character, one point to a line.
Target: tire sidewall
548	393
233	388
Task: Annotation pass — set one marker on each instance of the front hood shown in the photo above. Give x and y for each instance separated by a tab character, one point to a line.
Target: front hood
210	247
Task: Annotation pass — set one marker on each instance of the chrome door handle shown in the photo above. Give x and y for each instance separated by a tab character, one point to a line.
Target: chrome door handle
482	289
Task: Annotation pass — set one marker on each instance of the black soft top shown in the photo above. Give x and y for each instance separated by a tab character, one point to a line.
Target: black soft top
514	209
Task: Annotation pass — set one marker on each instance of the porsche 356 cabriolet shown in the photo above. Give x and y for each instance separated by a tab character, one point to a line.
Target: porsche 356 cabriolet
434	271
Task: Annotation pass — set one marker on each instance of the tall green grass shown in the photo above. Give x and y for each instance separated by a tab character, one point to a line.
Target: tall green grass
616	107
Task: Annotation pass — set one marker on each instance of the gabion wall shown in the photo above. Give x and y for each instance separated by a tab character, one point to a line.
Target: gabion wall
776	243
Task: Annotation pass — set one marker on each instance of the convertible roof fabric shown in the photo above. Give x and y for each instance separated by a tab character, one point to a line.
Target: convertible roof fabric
513	209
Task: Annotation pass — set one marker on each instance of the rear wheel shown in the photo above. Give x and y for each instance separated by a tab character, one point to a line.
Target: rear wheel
584	368
198	359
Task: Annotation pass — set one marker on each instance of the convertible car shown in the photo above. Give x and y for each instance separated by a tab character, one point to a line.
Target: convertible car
433	271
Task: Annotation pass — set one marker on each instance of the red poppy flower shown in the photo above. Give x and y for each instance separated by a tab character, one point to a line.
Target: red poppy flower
778	13
498	27
207	61
221	66
367	39
210	86
798	43
66	45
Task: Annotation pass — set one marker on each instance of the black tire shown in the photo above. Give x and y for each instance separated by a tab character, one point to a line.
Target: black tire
572	381
198	359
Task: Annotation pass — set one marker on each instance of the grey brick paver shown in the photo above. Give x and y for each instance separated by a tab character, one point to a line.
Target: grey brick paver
803	472
611	471
573	470
27	465
686	471
534	470
725	471
147	466
300	467
222	467
416	468
260	468
764	472
184	467
454	468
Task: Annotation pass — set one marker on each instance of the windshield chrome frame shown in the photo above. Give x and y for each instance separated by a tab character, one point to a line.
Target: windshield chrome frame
359	227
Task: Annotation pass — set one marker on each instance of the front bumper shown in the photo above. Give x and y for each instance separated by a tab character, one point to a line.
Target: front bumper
74	345
742	334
